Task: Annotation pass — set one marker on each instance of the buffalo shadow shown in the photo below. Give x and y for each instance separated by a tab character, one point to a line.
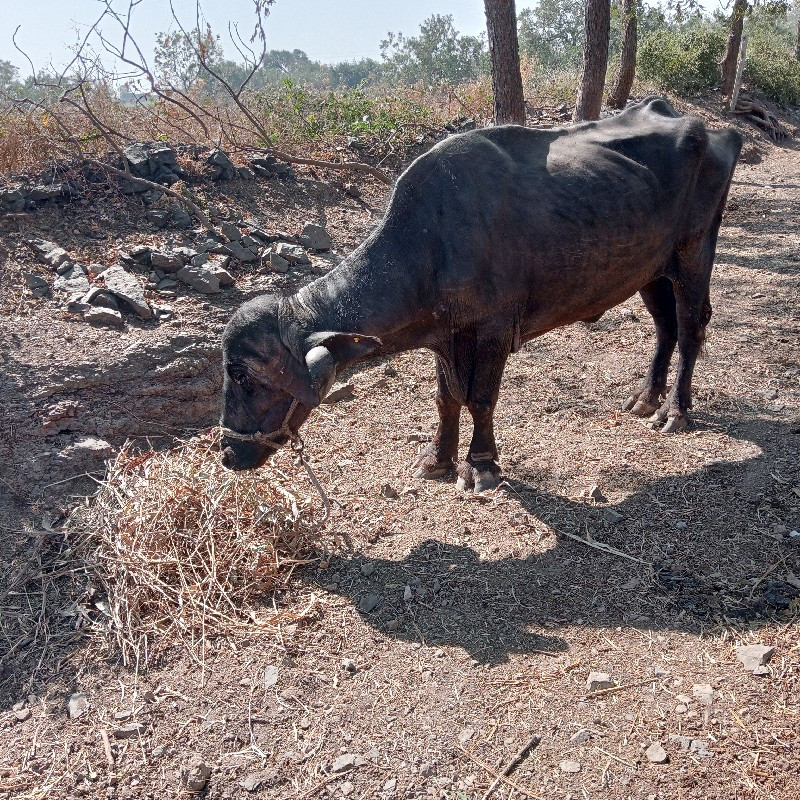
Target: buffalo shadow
708	564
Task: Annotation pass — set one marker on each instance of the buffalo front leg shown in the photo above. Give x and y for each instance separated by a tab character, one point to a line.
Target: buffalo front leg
659	298
693	305
480	471
438	458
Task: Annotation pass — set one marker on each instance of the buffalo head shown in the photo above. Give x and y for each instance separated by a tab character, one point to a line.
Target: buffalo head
271	386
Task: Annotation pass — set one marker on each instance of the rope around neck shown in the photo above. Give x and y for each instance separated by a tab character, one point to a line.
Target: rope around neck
297	446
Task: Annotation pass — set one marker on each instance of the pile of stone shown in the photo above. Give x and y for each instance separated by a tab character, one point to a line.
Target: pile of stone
269	166
101	295
26	196
153	161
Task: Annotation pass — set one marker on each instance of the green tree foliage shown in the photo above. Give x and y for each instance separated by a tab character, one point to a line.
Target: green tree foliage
438	55
8	77
552	34
683	61
771	63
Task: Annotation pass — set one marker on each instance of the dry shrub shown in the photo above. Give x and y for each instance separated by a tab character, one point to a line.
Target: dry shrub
183	548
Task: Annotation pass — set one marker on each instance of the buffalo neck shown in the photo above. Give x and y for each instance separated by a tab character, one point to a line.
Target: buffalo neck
370	292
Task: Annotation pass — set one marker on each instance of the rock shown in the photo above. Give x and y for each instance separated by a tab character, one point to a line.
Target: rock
348	665
581	737
367	568
158	217
129	731
100	298
703	693
388	492
154	161
242	253
86	451
696	746
35	282
268	166
392	625
278	263
140	254
271	675
163	312
222	167
166	284
570	766
231	231
73	281
339	392
194	773
206	278
369	603
611	516
103	316
126	288
51	192
293	253
656	754
180	218
77	705
315	237
347	761
246	174
48	252
595	494
352	190
22	714
407	594
466	735
755	657
599	680
251	783
166	262
65	267
13	200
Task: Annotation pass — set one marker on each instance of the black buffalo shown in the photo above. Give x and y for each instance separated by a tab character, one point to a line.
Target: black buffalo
491	238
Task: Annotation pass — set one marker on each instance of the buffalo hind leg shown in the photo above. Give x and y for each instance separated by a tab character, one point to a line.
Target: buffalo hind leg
694	312
659	298
438	458
480	471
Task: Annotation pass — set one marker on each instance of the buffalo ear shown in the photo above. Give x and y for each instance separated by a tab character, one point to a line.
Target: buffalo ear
345	347
321	373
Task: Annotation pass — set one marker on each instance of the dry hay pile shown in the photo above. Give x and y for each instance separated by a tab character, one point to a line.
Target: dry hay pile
182	547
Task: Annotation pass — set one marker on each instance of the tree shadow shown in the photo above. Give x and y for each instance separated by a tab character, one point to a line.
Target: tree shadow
701	553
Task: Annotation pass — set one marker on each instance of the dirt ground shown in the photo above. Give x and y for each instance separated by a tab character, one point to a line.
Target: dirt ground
443	637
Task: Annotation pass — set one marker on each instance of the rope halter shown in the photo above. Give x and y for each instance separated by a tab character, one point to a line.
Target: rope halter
267	439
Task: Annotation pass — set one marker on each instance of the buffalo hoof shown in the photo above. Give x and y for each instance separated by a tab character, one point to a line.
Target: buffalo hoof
481	478
639	406
429	467
675	424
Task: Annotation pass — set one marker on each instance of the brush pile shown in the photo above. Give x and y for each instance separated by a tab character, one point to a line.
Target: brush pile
183	548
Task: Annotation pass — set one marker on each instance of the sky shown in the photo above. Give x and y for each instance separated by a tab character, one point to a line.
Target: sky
327	30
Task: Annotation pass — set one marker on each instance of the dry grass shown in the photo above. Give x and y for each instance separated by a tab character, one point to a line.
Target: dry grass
184	549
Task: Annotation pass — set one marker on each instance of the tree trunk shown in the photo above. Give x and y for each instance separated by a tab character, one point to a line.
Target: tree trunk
728	66
501	24
595	60
618	96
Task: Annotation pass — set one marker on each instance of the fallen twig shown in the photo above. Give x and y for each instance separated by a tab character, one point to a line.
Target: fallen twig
505	779
530	745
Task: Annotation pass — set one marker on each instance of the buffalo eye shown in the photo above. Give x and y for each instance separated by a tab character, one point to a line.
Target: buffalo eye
238	375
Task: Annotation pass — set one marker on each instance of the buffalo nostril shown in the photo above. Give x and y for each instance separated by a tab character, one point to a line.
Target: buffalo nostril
227	457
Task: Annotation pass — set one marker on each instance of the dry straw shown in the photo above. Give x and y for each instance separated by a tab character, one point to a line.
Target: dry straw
184	549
